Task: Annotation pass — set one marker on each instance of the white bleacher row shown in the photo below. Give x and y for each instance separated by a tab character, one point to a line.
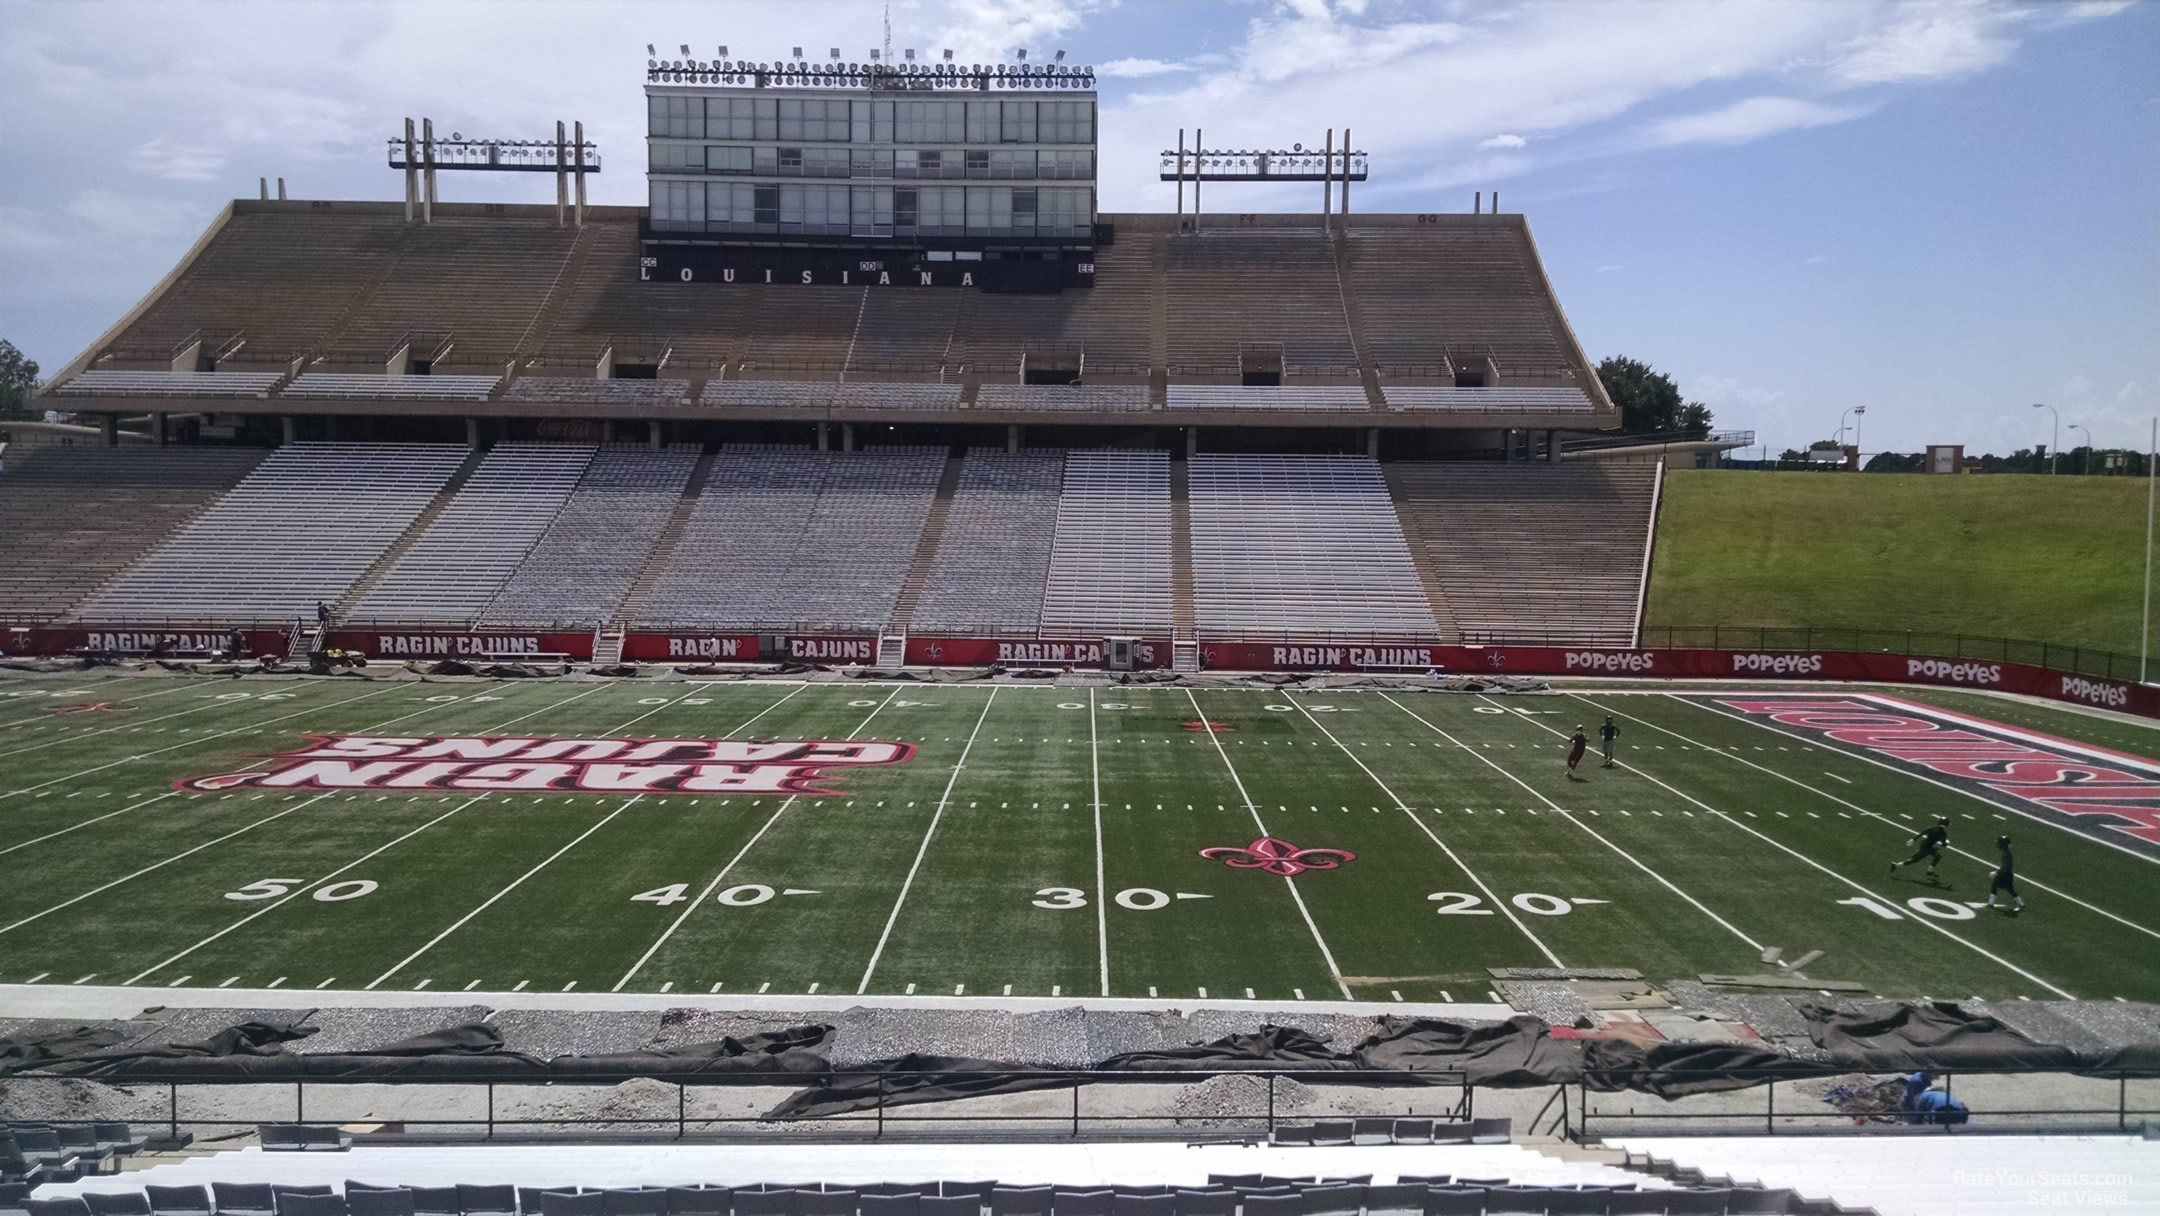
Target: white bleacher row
994	557
478	541
817	395
1110	559
1284	397
302	528
580	390
171	384
1496	399
1300	544
364	385
579	572
1062	397
790	538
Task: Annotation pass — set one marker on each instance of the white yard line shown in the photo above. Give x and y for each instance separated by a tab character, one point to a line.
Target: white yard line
1864	811
198	741
490	901
1577	820
1497	902
2010	805
1253	809
49	716
161	864
1102	923
1811	862
924	849
77	737
580	838
266	909
729	868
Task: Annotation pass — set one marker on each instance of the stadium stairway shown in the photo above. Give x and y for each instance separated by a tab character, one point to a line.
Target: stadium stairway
562	289
1421	557
419	528
1184	649
663	550
1354	321
919	570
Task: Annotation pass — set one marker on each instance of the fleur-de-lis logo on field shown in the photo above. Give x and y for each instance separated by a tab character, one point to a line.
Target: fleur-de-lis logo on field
1278	857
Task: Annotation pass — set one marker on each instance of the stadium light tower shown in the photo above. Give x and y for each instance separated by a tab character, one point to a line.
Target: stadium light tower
2056	440
2077	426
1856	413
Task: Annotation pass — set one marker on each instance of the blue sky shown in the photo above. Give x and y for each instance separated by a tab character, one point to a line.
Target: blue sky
1941	211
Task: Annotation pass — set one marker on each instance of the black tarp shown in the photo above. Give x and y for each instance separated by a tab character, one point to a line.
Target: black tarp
256	1051
1903	1038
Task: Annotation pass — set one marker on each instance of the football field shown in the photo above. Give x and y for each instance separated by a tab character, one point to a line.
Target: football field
1143	841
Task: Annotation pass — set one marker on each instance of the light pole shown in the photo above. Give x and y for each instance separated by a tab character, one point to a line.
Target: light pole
1855	412
2056	438
2087	471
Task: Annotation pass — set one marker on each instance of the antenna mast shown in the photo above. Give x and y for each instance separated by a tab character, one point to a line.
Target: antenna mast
888	33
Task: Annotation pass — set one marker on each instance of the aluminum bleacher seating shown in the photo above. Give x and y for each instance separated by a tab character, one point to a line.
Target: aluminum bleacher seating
580	390
767	394
1228	289
1285	397
170	384
336	385
80	515
363	385
1536	553
454	568
790	538
303	527
483	280
1110	557
1467	282
896	396
578	572
1062	397
1498	399
1301	544
995	552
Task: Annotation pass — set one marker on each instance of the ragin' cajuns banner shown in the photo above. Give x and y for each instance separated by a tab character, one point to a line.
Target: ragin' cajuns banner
836	650
2095	790
1693	664
533	765
506	644
187	640
987	652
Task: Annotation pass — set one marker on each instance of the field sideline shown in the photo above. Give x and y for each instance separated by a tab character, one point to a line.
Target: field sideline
1035	841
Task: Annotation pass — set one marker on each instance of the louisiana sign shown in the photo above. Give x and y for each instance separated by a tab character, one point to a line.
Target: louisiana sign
556	766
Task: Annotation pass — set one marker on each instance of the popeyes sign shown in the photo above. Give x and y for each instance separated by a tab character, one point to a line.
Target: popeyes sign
525	765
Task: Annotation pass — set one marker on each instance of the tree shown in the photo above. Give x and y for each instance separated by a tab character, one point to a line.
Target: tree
17	377
1893	462
1648	399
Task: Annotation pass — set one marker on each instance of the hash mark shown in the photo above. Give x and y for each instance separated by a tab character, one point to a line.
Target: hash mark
521	985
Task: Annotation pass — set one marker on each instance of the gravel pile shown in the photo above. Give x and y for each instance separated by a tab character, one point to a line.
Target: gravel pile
344	1030
1115	1034
1771	1016
1058	1039
1554	1002
69	1099
862	1035
548	1033
1243	1099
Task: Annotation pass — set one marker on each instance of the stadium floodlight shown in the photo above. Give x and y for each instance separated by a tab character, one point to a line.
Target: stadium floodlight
911	54
948	54
686	50
1022	53
798	52
723	50
1061	56
649	49
2056	441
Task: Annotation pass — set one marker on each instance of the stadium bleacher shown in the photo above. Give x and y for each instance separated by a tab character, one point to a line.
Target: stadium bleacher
1497	399
80	515
1110	557
1287	545
1536	553
301	528
1235	397
1062	397
787	537
454	568
1231	288
1470	282
582	567
995	555
428	388
170	384
583	389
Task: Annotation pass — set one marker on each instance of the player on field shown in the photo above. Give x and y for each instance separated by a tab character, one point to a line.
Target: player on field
2005	879
1930	843
1577	745
1606	734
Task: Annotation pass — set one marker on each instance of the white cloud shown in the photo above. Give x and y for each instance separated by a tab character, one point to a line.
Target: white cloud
163	157
1746	120
1503	141
1135	69
1609	267
1929	40
1814	259
1716	391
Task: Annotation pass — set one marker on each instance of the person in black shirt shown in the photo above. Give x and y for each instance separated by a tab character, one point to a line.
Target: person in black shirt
1931	842
2005	879
1606	734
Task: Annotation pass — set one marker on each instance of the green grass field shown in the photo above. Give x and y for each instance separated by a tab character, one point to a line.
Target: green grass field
2051	559
1039	841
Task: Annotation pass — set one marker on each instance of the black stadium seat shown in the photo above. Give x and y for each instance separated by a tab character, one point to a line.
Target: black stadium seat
243	1199
487	1200
379	1201
117	1203
313	1205
570	1203
178	1200
65	1206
